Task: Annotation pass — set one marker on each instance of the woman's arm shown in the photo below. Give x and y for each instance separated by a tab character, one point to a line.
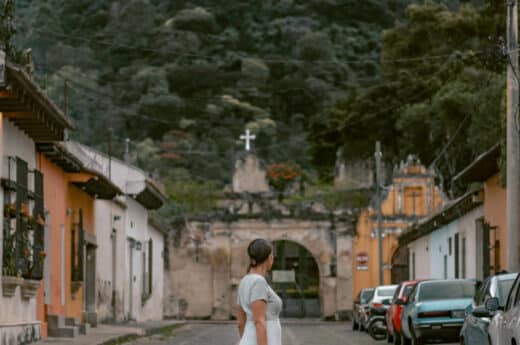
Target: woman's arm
258	307
241	318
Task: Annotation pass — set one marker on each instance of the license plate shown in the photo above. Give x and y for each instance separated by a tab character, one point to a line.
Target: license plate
458	314
436	327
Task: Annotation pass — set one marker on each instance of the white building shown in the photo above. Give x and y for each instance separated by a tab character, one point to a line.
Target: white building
449	244
131	282
27	118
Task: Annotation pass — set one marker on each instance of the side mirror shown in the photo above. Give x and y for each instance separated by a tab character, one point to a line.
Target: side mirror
400	302
386	302
481	312
492	304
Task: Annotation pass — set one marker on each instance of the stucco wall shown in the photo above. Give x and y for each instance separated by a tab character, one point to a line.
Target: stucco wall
208	259
421	250
153	307
111	254
496	214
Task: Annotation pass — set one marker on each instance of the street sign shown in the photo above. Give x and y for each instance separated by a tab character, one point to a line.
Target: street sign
284	277
362	261
2	68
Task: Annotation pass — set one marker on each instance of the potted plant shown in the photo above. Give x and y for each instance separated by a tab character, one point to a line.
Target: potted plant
10	210
24	209
11	279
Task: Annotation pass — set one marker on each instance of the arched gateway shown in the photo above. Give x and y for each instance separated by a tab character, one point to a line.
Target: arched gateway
207	255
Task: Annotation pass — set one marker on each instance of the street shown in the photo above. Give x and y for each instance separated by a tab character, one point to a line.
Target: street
310	333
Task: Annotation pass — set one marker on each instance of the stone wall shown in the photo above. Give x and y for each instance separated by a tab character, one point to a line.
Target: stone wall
16	334
208	259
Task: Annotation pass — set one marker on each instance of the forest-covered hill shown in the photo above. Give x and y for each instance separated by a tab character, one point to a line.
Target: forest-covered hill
183	79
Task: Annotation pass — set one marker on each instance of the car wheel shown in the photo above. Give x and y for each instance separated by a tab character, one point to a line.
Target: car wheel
355	325
397	338
405	340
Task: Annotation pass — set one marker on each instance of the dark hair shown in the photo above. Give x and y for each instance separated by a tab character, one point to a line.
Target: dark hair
258	251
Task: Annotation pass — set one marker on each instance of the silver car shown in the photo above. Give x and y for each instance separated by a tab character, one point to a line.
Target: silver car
475	328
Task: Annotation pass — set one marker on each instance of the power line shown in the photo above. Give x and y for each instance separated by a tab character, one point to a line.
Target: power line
266	59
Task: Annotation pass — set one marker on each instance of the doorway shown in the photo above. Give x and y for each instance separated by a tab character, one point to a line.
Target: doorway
301	291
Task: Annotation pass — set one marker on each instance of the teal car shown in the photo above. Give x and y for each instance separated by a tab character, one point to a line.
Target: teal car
435	311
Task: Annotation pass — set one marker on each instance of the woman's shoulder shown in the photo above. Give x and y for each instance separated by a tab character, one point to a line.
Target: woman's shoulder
252	278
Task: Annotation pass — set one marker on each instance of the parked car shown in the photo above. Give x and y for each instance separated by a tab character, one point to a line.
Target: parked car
504	328
360	307
381	293
435	310
393	315
475	328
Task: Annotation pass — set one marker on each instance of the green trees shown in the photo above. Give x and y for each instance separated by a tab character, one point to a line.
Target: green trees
441	93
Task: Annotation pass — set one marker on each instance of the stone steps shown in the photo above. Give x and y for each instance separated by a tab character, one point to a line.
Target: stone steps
61	327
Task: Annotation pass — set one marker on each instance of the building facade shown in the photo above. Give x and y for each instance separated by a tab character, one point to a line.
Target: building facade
412	195
27	119
450	244
131	283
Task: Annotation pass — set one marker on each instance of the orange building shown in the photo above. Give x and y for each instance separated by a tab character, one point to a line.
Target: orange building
411	196
485	170
67	300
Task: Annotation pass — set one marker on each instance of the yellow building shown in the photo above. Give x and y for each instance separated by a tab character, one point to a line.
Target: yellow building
411	196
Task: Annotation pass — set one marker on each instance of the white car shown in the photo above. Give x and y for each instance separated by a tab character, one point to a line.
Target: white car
505	325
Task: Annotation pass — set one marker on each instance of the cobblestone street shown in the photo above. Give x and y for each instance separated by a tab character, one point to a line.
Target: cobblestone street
318	333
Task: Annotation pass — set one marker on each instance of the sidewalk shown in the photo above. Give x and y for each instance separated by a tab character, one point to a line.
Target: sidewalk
116	334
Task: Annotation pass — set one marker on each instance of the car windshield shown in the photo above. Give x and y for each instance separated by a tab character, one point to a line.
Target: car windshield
446	290
504	286
407	290
386	292
366	296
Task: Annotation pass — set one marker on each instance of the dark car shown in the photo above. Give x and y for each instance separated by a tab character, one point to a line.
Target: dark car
360	307
475	328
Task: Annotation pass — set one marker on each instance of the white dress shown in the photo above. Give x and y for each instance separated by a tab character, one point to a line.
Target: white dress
254	287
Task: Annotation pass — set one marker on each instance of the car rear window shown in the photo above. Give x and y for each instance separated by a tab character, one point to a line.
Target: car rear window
387	292
504	286
366	296
446	290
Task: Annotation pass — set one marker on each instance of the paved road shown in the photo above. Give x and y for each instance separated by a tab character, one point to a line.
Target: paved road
317	333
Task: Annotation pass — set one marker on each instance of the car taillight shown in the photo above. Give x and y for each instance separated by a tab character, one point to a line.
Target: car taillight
435	314
377	305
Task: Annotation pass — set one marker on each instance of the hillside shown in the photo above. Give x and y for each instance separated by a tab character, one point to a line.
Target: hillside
183	79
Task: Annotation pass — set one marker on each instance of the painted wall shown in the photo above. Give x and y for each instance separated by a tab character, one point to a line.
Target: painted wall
496	215
111	254
20	314
55	191
433	258
420	254
411	196
76	199
153	307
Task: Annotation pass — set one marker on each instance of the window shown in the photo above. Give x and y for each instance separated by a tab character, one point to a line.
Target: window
396	294
449	246
456	245
431	291
464	257
445	266
413	265
514	291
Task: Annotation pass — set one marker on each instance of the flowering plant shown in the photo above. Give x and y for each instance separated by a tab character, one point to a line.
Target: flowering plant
281	176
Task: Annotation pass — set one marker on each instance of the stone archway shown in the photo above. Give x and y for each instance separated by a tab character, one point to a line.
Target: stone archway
301	297
400	270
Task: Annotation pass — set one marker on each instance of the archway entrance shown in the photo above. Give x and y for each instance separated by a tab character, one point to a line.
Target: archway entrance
296	279
400	270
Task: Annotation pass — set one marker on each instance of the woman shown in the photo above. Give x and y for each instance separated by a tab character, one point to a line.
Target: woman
259	306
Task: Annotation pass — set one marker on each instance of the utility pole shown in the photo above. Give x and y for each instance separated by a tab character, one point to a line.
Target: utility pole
127	150
379	156
513	140
65	96
110	153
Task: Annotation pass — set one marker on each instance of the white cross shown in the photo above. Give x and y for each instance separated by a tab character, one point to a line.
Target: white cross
248	137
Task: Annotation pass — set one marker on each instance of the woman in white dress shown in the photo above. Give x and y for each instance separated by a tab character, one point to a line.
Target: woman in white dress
259	306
